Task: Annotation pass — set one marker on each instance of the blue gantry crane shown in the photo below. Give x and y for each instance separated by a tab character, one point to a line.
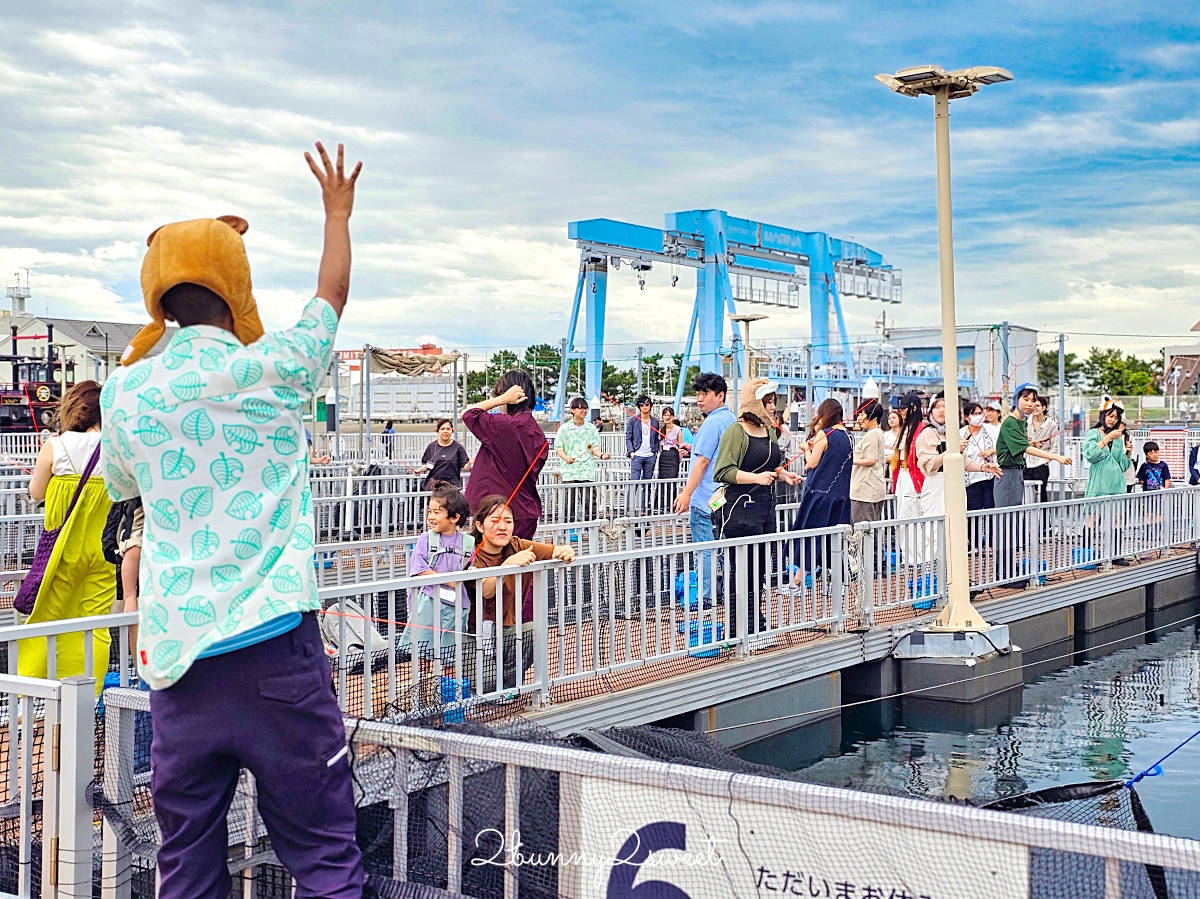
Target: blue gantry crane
736	260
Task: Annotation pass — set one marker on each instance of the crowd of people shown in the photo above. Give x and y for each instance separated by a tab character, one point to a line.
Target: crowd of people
737	461
200	518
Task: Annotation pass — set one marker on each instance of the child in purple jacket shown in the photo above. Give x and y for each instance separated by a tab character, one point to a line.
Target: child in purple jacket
436	611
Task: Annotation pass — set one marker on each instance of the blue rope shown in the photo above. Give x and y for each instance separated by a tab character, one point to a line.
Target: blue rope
1156	769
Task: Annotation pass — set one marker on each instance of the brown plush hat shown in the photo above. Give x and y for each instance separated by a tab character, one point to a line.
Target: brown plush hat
208	252
750	398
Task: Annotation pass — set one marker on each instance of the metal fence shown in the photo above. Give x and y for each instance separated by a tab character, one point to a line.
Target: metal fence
25	445
374	511
47	765
409	446
647	596
577	629
559	821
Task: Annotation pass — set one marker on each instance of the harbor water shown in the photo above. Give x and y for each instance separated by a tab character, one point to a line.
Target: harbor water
1103	713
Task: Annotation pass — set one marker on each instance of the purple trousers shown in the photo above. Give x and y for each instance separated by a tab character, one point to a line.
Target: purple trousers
268	708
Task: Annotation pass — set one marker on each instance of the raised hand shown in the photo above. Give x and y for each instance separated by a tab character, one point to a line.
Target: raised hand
337	190
337	193
512	396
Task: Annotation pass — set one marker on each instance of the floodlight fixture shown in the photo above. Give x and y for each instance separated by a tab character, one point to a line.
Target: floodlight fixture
933	80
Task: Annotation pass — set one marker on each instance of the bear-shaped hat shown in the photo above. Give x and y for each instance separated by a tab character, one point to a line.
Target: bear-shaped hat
751	396
207	252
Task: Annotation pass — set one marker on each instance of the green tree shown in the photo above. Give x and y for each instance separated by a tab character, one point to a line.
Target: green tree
1047	365
479	383
619	383
689	376
1110	371
543	362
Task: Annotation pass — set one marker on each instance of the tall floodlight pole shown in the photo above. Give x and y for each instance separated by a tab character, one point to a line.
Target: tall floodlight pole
958	614
743	363
1062	401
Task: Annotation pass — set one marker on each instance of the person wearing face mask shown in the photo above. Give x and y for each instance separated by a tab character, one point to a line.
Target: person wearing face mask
931	452
977	442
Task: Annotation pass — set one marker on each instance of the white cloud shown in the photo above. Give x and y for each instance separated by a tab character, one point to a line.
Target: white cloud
481	143
1170	55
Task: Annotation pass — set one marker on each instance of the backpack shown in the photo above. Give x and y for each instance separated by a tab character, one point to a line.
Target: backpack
118	527
436	549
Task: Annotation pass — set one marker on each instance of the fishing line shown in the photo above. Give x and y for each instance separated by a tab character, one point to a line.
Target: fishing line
478	546
511	496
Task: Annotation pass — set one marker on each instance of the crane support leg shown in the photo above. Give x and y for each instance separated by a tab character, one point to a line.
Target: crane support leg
686	362
563	390
595	293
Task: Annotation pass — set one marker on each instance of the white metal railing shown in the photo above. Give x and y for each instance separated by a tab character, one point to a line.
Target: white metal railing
15	500
22	445
604	801
614	814
608	610
670	827
599	613
1027	543
611	612
348	479
406	446
48	766
897	564
369	515
362	561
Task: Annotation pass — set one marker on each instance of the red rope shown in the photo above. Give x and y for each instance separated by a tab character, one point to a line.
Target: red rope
32	413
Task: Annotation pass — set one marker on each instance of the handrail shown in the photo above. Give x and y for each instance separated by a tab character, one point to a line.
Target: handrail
67	626
36	687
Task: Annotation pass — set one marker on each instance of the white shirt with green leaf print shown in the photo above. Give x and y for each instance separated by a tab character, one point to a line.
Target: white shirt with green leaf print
209	434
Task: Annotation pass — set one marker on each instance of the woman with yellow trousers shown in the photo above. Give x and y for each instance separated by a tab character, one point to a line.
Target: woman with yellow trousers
78	582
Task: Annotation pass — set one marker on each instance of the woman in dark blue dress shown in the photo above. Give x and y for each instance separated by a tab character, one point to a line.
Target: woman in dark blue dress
829	460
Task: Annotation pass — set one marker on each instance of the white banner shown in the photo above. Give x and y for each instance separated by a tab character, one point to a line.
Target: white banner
637	842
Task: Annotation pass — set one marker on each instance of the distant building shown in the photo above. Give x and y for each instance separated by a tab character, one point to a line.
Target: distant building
92	348
1181	368
982	359
95	347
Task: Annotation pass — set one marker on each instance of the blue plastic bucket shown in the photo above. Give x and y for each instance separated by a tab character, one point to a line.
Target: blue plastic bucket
693	632
453	712
924	586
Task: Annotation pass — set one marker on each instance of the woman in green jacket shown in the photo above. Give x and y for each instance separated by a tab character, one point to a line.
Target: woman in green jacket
748	462
1104	450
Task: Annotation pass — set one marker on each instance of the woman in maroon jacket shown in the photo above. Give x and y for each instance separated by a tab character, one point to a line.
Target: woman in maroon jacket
512	451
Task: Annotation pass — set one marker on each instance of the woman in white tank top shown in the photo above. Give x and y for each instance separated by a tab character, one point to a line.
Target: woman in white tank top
79	581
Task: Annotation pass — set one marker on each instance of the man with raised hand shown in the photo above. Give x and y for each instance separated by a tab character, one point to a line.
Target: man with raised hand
209	434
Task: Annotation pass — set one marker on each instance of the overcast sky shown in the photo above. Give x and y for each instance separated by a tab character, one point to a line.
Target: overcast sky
485	127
